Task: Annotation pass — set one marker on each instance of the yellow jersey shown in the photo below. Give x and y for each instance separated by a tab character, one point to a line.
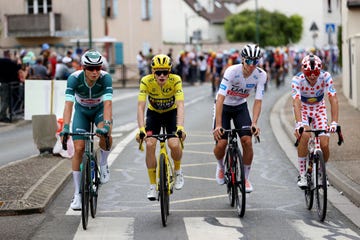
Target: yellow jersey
161	99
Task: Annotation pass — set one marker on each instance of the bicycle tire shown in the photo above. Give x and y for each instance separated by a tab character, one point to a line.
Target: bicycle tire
85	191
229	176
240	193
163	192
94	189
309	191
321	187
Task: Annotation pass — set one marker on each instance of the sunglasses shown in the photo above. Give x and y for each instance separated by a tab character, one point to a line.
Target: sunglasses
308	73
92	68
164	72
249	61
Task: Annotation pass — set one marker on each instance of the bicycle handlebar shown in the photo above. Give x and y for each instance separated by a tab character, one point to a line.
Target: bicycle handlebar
236	130
161	137
317	132
84	134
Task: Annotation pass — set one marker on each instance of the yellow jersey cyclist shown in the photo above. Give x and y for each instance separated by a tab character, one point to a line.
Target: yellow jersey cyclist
90	89
165	96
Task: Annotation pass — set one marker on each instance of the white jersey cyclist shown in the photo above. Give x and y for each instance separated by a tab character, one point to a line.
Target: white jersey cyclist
236	88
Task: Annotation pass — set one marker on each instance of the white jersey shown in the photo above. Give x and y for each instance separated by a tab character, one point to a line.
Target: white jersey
236	88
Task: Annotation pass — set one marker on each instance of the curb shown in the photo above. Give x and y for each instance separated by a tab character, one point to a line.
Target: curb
38	197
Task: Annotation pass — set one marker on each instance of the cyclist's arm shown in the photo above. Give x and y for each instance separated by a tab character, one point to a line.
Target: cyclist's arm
68	112
108	110
256	111
297	109
140	113
334	108
218	110
180	113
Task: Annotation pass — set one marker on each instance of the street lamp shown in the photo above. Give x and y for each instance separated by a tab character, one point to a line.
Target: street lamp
257	22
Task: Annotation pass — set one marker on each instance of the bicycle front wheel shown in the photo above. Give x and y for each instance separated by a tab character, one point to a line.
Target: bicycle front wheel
85	191
94	186
321	186
229	178
240	193
163	191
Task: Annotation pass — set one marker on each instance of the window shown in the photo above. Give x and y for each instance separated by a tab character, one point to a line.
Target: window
39	6
111	8
146	9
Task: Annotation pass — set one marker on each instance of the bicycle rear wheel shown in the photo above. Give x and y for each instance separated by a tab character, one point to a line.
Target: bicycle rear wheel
321	186
85	191
240	193
94	188
163	191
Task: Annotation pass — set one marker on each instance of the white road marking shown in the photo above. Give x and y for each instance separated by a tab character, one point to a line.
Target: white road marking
107	228
199	228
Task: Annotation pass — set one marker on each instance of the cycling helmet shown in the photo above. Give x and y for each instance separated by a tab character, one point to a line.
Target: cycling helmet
251	51
311	64
161	61
92	58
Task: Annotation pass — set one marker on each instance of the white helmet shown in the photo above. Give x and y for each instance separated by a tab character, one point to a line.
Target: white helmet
251	51
92	58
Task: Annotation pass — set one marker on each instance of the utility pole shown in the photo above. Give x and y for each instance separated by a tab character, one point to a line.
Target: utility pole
89	24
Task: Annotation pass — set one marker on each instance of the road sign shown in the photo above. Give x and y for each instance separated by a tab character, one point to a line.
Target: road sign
330	27
314	27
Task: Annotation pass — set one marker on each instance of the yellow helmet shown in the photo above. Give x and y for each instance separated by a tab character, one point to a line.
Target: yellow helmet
161	61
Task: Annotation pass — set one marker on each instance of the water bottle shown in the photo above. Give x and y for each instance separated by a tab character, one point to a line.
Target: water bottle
92	166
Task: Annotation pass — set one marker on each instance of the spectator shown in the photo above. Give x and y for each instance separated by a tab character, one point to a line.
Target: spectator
39	71
202	68
64	69
141	64
9	71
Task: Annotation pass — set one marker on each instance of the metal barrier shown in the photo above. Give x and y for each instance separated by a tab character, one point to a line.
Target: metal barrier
125	74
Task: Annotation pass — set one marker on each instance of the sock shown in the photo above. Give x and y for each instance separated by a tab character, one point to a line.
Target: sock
177	165
302	165
247	171
77	179
103	157
220	163
152	175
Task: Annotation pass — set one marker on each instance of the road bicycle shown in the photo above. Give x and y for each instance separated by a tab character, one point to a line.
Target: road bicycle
316	171
165	173
234	170
90	175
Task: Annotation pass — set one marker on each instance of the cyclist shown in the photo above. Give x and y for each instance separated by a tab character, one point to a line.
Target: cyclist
235	87
166	107
91	91
308	90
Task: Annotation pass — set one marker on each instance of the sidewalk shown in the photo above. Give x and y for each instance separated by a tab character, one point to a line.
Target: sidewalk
29	185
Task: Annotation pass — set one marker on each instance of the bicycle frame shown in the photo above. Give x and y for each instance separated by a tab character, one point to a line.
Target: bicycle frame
168	163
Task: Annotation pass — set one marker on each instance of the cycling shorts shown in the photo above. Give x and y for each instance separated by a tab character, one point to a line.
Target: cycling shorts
83	117
240	116
155	120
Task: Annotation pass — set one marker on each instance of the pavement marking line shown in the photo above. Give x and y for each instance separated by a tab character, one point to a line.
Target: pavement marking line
203	228
120	228
199	143
33	187
316	230
196	199
199	178
198	164
199	152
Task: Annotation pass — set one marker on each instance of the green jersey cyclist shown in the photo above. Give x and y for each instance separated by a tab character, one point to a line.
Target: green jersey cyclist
90	90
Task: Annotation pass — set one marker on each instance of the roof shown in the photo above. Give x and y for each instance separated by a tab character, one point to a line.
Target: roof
220	10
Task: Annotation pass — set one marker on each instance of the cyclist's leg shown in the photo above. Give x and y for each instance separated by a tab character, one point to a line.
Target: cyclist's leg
175	147
153	126
320	123
302	149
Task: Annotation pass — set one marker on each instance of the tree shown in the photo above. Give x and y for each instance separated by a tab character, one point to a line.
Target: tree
275	28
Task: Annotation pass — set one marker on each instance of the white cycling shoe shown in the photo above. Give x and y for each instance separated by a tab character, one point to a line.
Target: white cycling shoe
76	202
179	179
152	193
104	174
